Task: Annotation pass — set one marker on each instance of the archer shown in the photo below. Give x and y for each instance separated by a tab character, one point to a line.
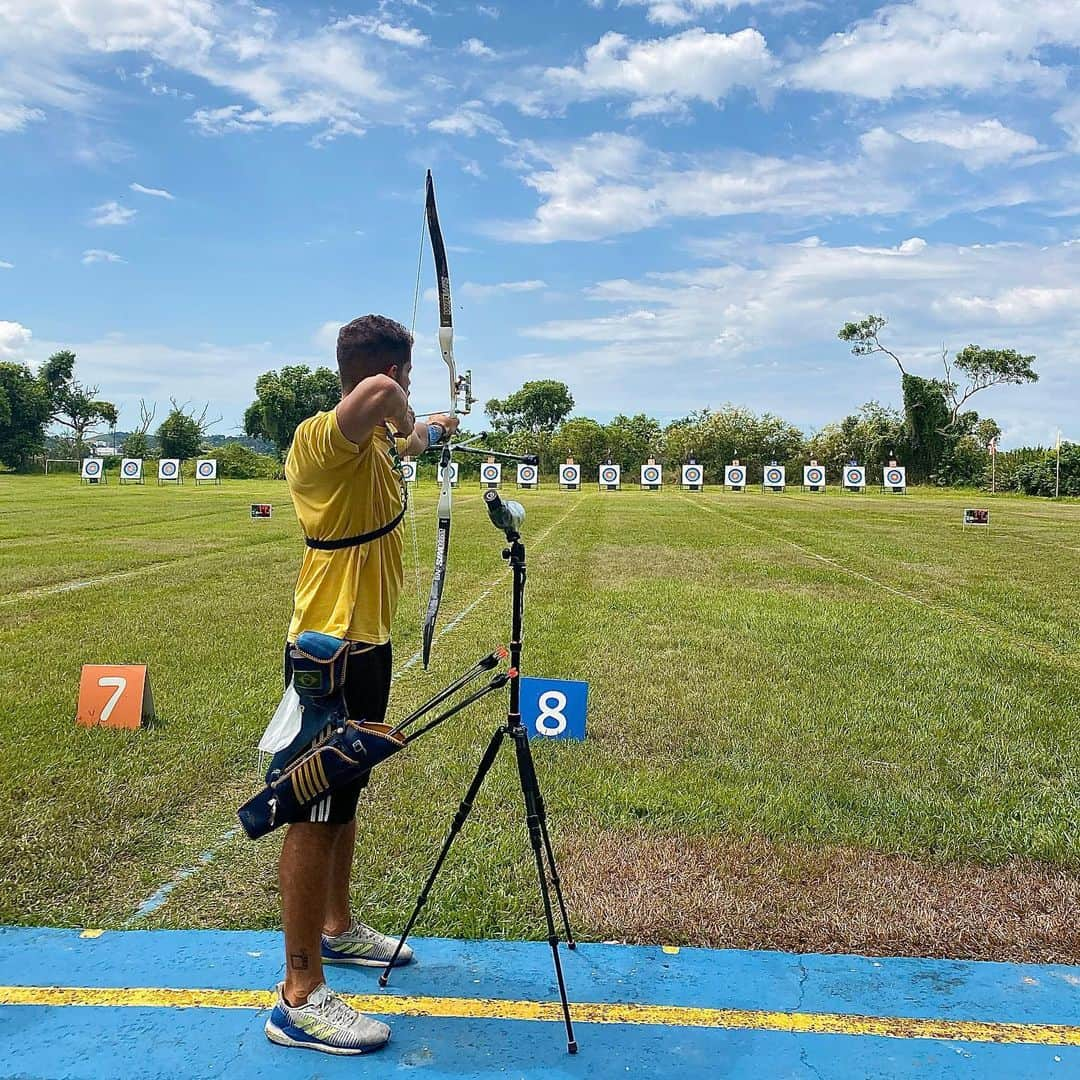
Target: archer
344	476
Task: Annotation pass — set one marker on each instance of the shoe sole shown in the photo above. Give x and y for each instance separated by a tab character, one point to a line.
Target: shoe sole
276	1035
362	961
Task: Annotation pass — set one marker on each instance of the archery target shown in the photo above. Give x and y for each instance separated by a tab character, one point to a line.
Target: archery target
206	469
91	469
691	474
651	474
609	474
895	476
453	473
569	474
854	476
774	475
491	473
168	469
527	474
813	475
735	475
131	468
408	472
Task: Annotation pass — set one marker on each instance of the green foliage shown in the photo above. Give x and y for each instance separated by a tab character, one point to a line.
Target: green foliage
1039	477
631	441
714	438
74	405
136	445
583	439
285	398
24	412
866	437
180	435
238	462
538	407
926	416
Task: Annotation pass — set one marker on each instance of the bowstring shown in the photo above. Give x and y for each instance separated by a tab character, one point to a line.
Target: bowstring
416	481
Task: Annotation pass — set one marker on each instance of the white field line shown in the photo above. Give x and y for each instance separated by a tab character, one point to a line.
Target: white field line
975	622
160	895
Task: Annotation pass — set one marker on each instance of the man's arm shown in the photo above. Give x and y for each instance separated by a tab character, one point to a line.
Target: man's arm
369	404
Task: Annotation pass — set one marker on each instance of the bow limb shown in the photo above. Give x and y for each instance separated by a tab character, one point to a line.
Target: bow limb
446	347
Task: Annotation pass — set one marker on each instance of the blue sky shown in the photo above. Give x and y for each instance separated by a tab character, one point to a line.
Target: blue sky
667	204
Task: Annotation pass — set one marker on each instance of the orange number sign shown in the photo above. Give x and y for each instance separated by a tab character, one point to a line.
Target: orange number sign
114	695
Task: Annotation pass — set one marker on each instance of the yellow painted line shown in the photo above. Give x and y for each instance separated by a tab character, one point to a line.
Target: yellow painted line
891	1027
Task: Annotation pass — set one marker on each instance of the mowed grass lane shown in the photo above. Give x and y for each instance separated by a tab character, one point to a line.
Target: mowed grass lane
816	675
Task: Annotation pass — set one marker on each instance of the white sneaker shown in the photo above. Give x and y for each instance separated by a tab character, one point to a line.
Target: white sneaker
324	1022
362	945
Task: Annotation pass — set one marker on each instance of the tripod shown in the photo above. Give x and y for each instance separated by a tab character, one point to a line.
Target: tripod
535	814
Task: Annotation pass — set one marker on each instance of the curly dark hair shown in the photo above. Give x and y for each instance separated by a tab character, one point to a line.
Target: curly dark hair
369	345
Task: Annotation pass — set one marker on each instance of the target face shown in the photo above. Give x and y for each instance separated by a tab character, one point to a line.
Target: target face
91	468
609	474
774	475
853	477
408	471
526	474
490	473
894	477
453	473
814	475
650	474
207	470
168	469
691	474
736	476
131	468
569	474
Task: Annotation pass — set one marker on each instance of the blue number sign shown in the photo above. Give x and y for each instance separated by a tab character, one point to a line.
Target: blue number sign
554	708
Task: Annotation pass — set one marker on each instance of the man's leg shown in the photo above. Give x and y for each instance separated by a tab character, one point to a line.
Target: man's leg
304	874
338	917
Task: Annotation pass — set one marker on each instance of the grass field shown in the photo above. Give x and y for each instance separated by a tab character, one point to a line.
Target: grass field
815	722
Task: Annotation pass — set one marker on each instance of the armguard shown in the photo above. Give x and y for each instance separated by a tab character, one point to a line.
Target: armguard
350	750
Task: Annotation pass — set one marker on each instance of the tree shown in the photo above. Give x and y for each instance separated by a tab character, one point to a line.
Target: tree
25	409
74	405
632	440
136	445
538	407
581	438
866	437
986	431
985	368
285	398
180	434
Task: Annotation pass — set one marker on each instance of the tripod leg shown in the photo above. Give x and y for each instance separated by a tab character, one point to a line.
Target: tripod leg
455	827
533	807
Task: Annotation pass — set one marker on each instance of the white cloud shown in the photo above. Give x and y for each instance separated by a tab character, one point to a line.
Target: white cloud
97	255
158	193
407	36
677	12
971	142
475	47
758	326
1068	116
610	184
665	73
112	213
483	292
928	45
14	115
14	337
469	120
335	77
6	265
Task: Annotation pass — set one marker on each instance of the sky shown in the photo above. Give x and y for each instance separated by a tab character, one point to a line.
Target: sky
666	204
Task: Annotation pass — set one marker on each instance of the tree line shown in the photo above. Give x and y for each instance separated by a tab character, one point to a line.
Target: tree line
938	438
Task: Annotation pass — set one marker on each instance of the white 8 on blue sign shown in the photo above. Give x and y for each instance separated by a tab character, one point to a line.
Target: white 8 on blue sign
551	705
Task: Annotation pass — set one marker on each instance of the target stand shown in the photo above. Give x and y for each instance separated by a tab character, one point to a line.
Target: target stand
569	477
92	471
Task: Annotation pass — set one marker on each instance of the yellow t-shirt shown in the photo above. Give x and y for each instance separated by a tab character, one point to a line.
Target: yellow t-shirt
339	489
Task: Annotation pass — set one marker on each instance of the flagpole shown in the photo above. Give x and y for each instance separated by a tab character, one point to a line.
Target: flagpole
993	466
1057	470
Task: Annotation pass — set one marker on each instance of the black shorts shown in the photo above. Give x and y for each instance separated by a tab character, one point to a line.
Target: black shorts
367	694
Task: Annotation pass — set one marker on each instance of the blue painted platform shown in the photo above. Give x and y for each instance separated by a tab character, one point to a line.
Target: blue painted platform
97	1043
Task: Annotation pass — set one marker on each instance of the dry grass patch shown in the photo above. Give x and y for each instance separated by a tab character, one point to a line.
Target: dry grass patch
643	887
